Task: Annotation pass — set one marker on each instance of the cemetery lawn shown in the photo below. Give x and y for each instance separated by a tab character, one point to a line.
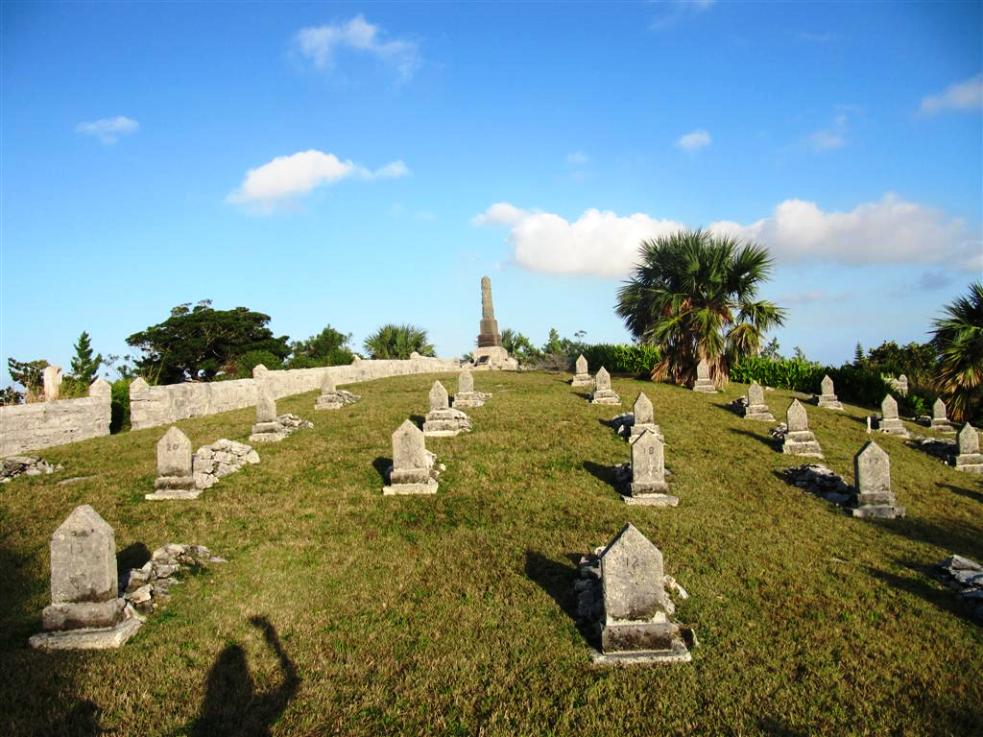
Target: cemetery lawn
451	615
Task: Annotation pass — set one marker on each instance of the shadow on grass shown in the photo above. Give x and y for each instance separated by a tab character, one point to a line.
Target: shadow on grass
557	579
924	588
132	556
937	449
418	420
838	507
775	728
607	474
730	408
382	466
764	439
976	496
954	536
231	707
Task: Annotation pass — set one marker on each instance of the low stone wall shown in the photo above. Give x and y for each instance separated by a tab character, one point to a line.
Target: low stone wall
39	425
151	406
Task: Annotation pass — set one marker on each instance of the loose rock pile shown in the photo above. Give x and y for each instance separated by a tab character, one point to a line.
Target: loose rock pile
819	480
965	576
15	466
941	448
147	588
221	458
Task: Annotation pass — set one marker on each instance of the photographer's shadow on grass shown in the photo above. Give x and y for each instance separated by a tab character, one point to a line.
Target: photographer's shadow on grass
232	708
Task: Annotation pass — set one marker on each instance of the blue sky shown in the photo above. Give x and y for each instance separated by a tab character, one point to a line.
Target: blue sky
357	164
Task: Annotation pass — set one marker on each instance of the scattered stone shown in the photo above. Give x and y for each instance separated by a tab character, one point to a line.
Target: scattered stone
442	421
890	422
965	576
755	407
827	397
940	419
872	478
582	377
603	393
623	600
223	457
414	468
942	448
490	352
819	480
796	438
466	396
148	587
969	458
648	472
14	466
175	477
332	397
86	611
703	383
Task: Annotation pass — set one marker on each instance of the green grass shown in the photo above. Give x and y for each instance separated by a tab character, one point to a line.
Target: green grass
447	615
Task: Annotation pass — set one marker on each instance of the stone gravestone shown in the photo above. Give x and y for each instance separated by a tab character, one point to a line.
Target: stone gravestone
466	396
643	414
637	608
331	397
266	429
581	377
756	409
940	419
442	421
798	439
175	476
412	471
703	383
872	479
603	393
827	397
51	382
648	473
969	458
890	422
86	611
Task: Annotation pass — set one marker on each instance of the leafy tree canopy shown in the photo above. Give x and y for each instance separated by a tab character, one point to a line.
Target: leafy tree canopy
29	374
85	366
959	341
327	348
196	343
398	341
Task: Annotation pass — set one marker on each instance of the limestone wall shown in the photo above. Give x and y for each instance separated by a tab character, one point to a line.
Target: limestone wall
151	406
25	427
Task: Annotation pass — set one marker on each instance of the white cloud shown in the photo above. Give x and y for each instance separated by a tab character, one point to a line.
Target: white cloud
320	44
966	95
888	231
108	130
577	158
694	140
288	177
673	11
830	138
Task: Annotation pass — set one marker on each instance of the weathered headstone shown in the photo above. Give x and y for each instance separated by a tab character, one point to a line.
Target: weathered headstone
643	417
636	625
940	419
648	472
704	384
890	421
799	439
466	396
175	475
872	479
266	429
51	379
86	611
603	393
755	407
827	396
412	471
490	352
969	458
582	377
331	397
442	421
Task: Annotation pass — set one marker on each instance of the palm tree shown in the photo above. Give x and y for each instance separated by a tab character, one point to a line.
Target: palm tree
959	341
398	341
692	295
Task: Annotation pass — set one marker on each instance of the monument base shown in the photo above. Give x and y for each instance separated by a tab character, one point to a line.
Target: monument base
829	402
407	489
87	639
582	380
704	386
652	500
969	462
879	511
893	427
758	412
494	357
605	396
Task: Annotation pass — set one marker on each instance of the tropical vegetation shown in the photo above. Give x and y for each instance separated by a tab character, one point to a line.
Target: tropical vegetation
398	341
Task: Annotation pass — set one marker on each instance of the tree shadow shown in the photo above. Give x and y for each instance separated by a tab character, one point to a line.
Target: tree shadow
765	440
557	579
953	535
934	593
976	496
382	466
231	707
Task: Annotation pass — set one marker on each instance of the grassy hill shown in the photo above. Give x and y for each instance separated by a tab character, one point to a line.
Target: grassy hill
450	615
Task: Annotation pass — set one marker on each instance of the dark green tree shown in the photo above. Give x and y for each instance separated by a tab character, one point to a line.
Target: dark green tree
959	341
196	343
398	341
858	355
327	348
85	366
29	374
772	351
917	361
519	346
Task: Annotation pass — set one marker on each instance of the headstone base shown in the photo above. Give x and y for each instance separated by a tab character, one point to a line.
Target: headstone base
470	399
605	396
704	386
829	402
429	487
266	437
174	494
878	511
677	654
445	423
335	400
893	426
970	462
105	638
174	487
942	426
802	443
758	412
582	380
652	500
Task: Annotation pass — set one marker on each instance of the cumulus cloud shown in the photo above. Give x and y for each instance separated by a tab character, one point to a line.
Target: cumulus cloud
888	231
577	158
694	140
108	130
288	177
320	44
966	95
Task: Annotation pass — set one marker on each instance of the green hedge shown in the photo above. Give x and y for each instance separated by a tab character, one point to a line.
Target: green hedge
120	419
636	360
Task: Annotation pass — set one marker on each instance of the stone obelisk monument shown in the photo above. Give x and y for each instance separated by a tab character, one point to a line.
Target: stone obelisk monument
490	352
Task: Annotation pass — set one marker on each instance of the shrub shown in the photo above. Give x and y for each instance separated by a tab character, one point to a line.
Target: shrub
856	384
242	366
635	360
120	417
398	341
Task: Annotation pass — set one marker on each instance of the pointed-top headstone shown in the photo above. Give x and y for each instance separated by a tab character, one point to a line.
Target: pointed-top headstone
826	386
633	578
872	469
438	397
796	418
83	559
755	394
602	381
648	464
581	364
327	383
969	440
889	408
265	403
409	447
259	370
465	382
643	410
703	370
938	410
174	454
